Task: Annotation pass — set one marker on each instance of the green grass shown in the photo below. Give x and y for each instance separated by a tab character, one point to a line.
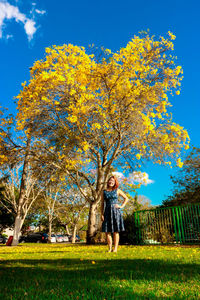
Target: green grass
63	271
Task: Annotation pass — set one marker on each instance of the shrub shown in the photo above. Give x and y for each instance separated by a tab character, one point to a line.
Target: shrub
129	236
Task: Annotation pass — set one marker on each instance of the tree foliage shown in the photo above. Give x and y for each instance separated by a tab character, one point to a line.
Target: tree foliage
108	107
187	182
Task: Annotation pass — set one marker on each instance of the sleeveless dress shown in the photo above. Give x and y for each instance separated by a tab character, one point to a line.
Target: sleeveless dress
113	221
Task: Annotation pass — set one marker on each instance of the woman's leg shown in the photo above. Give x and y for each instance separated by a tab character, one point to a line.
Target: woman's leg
116	241
109	240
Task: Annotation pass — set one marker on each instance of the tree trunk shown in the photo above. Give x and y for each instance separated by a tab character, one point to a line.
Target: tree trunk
67	229
20	217
92	230
17	229
50	229
74	235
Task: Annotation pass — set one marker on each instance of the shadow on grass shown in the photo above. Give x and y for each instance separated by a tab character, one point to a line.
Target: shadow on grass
76	279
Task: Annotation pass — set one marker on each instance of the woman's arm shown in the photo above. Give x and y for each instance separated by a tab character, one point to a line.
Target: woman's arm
102	207
120	193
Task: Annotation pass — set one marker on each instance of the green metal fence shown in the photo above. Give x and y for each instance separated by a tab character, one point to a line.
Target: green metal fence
178	224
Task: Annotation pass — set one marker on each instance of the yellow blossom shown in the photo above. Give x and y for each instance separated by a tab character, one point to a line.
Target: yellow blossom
138	156
171	35
179	163
73	119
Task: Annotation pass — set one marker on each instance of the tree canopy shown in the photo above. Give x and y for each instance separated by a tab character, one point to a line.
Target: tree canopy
186	183
108	107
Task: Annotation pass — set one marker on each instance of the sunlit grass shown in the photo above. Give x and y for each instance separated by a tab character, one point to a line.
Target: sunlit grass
65	271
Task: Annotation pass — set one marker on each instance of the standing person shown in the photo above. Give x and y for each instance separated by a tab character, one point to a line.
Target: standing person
111	215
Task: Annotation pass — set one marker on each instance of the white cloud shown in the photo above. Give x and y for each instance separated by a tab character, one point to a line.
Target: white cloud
8	12
118	174
9	36
40	12
140	177
135	177
30	28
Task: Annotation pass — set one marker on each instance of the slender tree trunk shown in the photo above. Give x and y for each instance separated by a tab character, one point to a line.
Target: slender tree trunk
67	229
19	216
74	234
92	230
17	229
50	229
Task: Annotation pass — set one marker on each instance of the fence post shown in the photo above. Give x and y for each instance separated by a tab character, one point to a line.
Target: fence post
181	223
178	224
135	217
195	228
139	229
137	223
174	219
197	215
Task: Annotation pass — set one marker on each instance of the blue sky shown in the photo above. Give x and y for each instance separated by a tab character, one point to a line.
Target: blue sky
28	27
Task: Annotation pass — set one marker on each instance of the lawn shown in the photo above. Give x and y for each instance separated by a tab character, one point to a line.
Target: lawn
65	271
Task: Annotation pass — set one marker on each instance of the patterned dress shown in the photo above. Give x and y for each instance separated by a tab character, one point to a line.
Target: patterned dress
113	221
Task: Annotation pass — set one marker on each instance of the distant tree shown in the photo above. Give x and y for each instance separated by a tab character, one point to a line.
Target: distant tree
20	185
73	208
50	200
187	182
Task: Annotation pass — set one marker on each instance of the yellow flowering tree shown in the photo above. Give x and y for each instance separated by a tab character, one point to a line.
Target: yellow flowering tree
90	112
